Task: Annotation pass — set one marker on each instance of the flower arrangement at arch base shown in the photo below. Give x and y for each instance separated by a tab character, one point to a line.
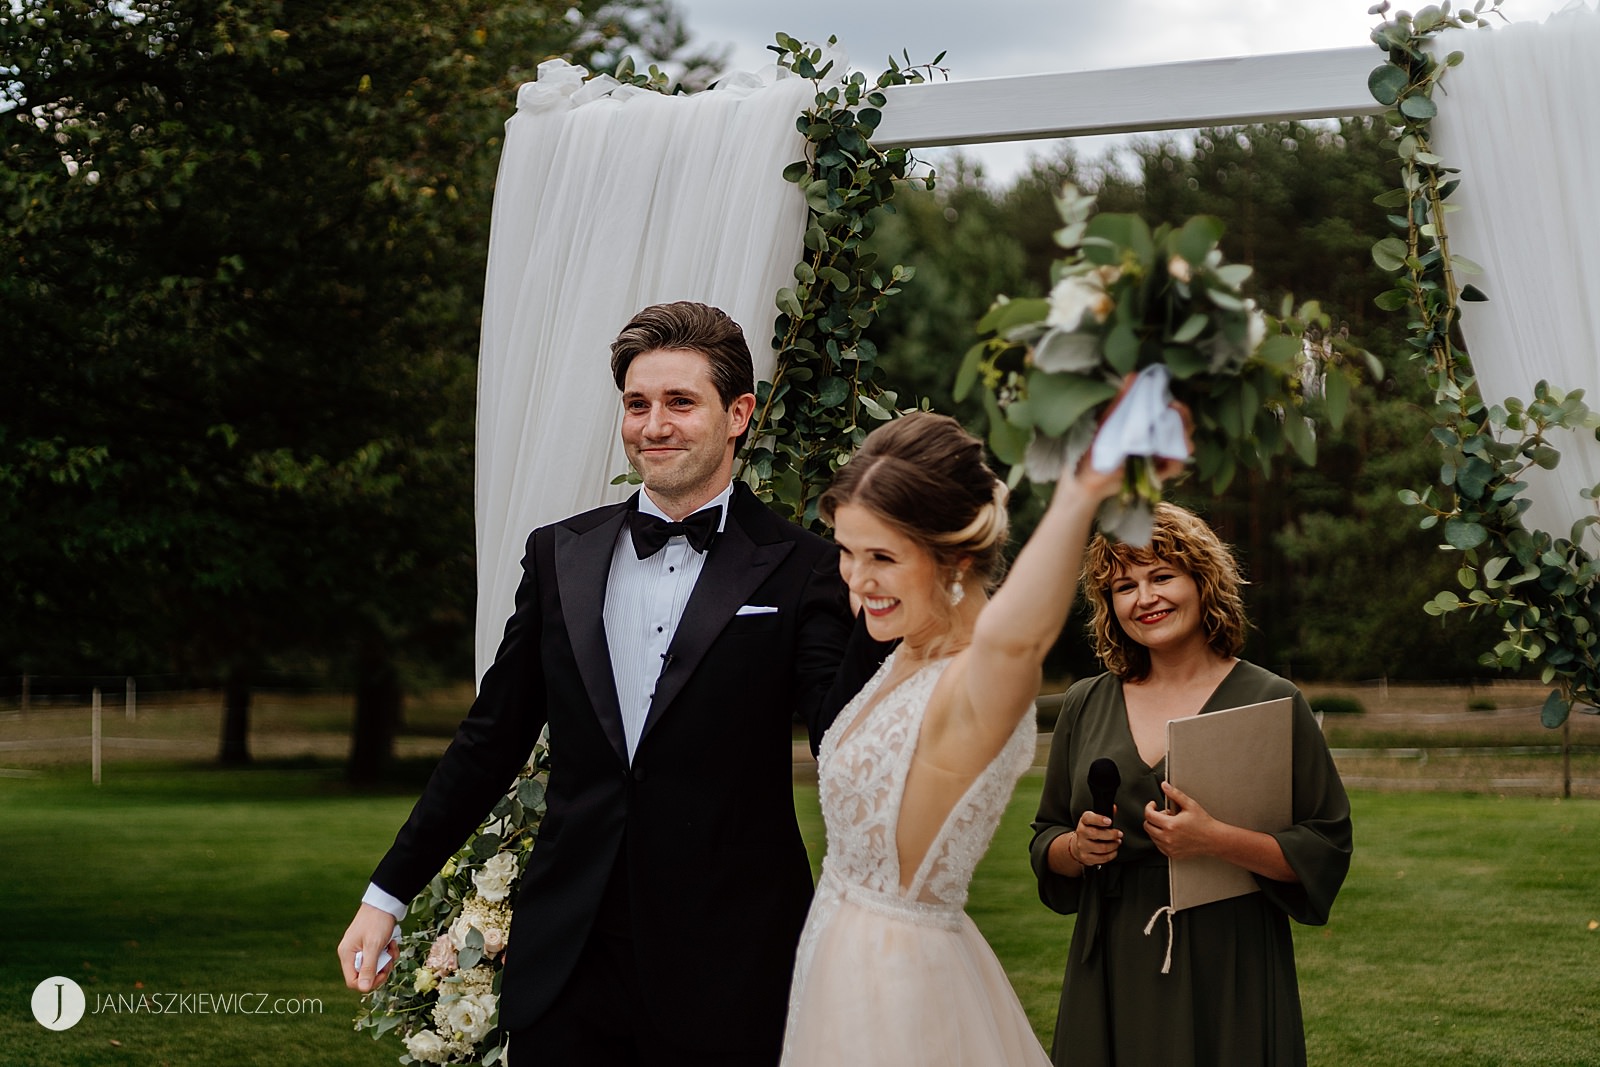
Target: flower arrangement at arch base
1161	304
443	994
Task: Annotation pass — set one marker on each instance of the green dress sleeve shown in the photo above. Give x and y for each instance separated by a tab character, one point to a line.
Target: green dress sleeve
1319	844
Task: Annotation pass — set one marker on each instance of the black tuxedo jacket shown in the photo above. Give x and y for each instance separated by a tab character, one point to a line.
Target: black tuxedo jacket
702	821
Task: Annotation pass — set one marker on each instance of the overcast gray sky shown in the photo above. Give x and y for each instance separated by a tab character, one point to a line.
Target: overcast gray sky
994	38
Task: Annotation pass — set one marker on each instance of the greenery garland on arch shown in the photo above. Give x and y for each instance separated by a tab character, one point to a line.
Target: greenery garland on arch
827	388
1542	588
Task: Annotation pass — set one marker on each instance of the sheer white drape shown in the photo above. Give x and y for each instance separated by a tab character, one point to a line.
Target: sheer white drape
1521	119
610	199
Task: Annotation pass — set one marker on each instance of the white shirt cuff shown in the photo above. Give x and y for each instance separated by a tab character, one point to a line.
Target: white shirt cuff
385	902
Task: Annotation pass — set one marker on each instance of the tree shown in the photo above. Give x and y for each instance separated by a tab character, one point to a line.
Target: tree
244	252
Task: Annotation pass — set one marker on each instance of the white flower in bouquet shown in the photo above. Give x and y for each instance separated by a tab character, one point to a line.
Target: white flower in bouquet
1078	295
476	981
425	980
470	1016
427	1046
494	880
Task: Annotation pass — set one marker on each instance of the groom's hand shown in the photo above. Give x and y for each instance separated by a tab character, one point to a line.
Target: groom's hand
370	932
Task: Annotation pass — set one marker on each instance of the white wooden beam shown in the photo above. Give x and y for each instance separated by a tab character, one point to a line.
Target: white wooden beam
1171	96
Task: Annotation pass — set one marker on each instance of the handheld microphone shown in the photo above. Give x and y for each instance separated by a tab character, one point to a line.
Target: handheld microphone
1104	780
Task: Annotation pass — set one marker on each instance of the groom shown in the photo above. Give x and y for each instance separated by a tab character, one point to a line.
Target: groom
668	643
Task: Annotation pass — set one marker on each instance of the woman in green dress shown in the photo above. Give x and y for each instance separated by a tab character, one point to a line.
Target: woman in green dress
1168	625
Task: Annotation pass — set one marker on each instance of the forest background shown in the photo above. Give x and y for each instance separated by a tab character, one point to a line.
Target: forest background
244	246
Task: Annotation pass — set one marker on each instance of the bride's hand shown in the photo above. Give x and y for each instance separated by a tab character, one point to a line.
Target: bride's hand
1103	484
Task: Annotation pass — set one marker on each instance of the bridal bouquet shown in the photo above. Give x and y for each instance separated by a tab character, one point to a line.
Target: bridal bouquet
443	996
1162	305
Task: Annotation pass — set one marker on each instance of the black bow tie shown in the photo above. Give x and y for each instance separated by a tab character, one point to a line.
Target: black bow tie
651	532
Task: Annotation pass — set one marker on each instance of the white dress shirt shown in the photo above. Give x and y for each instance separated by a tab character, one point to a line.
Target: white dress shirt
645	599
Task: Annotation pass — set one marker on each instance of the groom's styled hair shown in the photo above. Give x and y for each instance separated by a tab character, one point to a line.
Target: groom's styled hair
694	328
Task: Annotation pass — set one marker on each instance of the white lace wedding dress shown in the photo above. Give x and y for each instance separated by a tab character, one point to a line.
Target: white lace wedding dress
886	974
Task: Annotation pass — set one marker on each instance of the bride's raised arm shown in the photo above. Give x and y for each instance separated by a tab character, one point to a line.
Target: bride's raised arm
1022	620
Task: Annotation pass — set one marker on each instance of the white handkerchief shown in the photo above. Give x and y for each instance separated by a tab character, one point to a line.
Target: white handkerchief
757	609
1144	424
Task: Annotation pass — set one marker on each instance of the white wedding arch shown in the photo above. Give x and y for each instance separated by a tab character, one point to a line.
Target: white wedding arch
610	198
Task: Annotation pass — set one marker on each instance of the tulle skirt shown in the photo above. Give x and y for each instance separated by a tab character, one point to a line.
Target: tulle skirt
877	989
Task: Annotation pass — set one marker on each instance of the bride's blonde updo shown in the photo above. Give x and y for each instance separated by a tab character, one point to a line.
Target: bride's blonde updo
925	476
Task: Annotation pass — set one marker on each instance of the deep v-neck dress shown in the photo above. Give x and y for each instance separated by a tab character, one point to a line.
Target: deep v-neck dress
891	974
1231	998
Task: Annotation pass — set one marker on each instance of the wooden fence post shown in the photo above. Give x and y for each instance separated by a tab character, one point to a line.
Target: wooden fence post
94	735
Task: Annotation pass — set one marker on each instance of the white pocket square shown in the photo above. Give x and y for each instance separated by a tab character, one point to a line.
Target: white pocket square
757	609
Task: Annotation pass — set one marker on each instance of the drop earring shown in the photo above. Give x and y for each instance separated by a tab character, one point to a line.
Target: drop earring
958	590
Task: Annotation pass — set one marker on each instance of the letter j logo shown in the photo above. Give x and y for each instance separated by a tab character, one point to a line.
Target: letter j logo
58	1003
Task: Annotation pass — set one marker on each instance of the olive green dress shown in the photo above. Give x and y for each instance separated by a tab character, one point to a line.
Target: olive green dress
1231	998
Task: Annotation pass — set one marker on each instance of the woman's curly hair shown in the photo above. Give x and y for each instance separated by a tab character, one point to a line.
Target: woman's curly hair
1180	539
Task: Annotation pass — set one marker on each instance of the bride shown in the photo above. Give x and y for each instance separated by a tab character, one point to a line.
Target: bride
916	771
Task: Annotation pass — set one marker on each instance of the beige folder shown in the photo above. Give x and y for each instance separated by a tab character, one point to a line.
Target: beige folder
1238	764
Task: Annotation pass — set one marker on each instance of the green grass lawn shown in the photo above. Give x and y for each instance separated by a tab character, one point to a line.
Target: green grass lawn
168	881
1462	936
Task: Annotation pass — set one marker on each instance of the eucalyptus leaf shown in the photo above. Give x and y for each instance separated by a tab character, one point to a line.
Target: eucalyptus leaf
1555	711
789	304
1060	400
1336	395
1067	351
1003	316
1185	362
1191	328
1122	348
833	393
1009	443
1417	106
1390	254
967	376
1386	83
1196	238
1234	275
1280	351
1301	438
1464	535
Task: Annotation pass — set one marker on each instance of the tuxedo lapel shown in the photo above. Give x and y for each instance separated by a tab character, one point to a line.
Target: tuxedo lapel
735	568
583	566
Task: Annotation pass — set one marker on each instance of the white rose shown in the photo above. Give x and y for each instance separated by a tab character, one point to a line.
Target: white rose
427	1046
493	882
459	930
1077	296
471	1016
